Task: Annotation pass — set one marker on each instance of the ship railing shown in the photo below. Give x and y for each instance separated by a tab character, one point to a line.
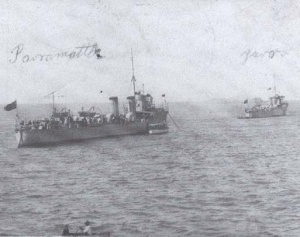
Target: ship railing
85	122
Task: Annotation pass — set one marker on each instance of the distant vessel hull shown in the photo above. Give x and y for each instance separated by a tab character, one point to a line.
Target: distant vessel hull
45	136
276	112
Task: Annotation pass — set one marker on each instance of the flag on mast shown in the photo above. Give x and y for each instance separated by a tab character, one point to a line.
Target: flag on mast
11	106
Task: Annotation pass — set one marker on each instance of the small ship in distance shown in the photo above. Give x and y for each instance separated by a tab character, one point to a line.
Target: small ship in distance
277	106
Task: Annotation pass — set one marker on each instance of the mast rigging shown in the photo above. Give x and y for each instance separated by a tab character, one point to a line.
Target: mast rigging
133	77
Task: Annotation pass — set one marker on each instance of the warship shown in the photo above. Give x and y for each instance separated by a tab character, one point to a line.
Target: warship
274	108
141	116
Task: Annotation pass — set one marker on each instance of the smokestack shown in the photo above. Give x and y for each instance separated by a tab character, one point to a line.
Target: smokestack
115	105
131	103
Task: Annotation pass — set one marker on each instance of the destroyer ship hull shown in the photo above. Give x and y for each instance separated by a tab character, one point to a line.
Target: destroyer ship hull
44	136
266	114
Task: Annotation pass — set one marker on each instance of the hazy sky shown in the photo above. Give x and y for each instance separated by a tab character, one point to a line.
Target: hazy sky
188	50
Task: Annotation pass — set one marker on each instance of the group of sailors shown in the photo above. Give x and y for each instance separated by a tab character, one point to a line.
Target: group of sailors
71	122
260	108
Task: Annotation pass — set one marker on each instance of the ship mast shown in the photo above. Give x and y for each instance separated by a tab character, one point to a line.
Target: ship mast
274	85
53	102
133	77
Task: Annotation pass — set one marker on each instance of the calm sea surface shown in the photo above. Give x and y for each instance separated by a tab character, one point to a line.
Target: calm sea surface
217	176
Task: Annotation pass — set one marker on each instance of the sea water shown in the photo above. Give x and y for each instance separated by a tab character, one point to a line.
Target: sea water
213	175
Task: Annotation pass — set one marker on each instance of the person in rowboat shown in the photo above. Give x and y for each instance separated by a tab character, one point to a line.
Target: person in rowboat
66	231
87	230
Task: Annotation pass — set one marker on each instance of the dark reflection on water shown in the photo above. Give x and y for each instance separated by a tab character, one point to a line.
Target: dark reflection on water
218	176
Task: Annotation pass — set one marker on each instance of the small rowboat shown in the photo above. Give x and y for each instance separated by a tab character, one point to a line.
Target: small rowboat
158	128
158	131
79	232
102	234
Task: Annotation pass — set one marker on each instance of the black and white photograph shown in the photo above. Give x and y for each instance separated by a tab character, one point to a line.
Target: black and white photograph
150	118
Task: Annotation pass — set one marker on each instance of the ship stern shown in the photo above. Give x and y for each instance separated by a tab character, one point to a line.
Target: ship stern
19	137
